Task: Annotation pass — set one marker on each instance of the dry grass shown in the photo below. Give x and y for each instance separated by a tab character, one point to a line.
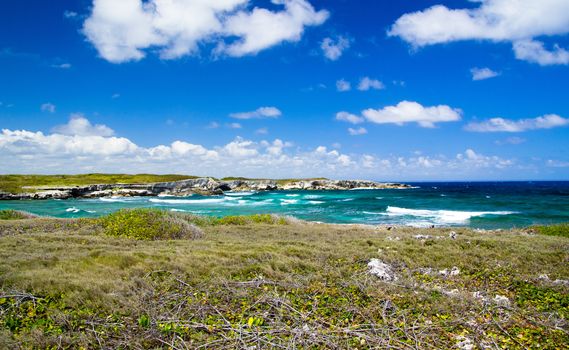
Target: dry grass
277	285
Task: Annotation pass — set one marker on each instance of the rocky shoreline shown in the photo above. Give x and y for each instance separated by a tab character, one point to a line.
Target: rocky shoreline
202	186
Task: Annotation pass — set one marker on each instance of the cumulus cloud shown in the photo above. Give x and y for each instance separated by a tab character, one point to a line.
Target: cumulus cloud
343	85
483	73
357	131
259	113
78	125
333	49
23	151
548	121
412	112
125	30
48	107
516	21
350	118
534	51
366	83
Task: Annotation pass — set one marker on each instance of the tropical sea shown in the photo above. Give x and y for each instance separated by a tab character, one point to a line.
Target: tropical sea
488	205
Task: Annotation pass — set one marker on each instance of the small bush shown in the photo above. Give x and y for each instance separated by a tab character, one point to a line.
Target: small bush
149	224
561	230
15	215
250	219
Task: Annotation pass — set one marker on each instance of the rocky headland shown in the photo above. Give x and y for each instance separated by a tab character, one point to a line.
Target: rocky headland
202	186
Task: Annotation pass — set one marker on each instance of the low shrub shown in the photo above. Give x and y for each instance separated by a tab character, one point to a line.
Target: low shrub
250	219
561	230
9	214
149	224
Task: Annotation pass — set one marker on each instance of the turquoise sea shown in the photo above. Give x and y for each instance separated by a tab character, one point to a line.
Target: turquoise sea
474	204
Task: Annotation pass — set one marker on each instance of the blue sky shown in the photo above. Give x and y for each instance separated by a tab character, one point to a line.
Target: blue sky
438	90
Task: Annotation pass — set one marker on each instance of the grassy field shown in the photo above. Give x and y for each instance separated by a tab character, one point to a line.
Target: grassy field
270	282
15	183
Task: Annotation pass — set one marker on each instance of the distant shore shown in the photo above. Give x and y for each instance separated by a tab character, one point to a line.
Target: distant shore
21	187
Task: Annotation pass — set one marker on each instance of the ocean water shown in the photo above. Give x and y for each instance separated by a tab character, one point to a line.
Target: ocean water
474	204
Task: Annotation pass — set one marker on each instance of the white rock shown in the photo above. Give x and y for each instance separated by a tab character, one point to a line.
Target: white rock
421	236
451	293
478	295
381	270
464	343
452	235
501	300
455	271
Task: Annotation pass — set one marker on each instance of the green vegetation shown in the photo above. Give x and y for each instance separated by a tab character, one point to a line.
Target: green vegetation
16	183
148	224
561	230
9	214
263	281
278	181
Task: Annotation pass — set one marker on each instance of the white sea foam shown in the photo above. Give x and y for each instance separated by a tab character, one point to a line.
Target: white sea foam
346	200
289	201
192	201
239	194
312	196
443	216
72	210
292	195
315	202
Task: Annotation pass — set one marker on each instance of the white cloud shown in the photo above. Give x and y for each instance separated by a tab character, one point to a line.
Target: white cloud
233	125
557	163
533	51
350	118
262	131
69	14
483	73
516	21
241	148
48	107
367	83
333	49
259	113
24	151
124	30
412	112
213	125
507	125
343	85
471	158
21	142
511	141
358	131
62	65
78	125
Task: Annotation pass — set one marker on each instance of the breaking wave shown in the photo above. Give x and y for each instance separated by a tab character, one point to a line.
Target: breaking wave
443	216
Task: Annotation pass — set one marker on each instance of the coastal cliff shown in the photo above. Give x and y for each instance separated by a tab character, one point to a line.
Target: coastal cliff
203	186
